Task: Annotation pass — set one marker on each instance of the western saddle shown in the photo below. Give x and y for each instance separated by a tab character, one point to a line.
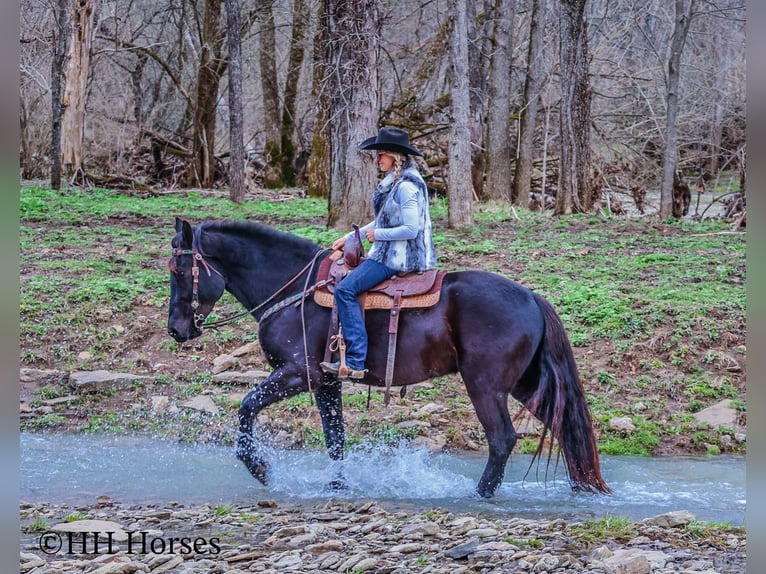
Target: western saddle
407	291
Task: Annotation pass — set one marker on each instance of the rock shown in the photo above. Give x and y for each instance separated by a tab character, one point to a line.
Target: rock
102	526
223	363
482	532
98	381
240	378
461	550
246	349
719	414
160	404
670	519
429	409
84	357
622	424
27	375
325	547
525	423
630	561
201	403
60	400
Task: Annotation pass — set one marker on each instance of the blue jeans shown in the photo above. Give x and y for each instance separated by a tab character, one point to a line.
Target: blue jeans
368	274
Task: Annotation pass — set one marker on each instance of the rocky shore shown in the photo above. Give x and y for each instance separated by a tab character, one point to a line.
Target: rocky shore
337	536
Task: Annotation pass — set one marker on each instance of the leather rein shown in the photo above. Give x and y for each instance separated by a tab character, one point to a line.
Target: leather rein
199	318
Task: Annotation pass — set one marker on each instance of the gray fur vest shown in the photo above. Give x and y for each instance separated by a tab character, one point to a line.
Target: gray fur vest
417	254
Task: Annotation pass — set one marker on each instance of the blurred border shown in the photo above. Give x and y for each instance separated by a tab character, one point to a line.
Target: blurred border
9	288
756	283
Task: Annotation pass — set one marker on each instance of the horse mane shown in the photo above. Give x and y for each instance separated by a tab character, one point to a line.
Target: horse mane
263	234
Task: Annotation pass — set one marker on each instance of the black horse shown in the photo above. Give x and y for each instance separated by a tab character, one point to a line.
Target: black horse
501	337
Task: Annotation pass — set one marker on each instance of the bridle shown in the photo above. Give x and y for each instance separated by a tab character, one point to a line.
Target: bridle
199	318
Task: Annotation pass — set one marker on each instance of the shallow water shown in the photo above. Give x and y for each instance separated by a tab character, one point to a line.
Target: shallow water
76	469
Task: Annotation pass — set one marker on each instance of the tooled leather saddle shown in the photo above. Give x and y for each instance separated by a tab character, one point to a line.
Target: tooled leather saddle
407	291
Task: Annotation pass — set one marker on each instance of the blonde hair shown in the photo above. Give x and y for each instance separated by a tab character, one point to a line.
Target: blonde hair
399	159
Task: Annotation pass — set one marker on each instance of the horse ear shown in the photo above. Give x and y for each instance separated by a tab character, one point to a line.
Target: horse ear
185	229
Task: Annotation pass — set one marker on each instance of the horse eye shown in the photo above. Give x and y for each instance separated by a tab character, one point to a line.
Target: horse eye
179	273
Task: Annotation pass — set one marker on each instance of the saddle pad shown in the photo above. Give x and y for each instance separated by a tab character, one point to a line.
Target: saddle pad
419	290
374	300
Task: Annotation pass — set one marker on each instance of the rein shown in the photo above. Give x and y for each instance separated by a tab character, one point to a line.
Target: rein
199	318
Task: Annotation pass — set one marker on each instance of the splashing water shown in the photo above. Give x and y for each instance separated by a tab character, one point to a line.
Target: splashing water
77	468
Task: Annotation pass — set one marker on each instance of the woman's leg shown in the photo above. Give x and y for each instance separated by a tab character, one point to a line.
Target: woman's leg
363	278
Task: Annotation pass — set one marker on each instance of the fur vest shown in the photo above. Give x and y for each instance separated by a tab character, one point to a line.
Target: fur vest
415	254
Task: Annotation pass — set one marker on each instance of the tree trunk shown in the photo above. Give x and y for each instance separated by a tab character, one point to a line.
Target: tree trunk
76	87
270	91
297	47
208	79
57	71
574	194
460	192
522	180
236	129
499	149
318	184
351	85
670	154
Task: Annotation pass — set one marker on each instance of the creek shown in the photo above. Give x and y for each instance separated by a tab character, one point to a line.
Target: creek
75	469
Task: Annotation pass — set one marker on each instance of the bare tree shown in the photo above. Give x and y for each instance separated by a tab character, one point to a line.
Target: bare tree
522	179
287	128
211	68
236	133
270	88
499	148
57	70
683	11
460	192
350	85
76	73
574	116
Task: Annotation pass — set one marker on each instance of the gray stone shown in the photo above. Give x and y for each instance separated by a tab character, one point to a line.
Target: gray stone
630	561
201	403
462	550
97	381
239	377
224	363
102	526
622	424
670	519
719	414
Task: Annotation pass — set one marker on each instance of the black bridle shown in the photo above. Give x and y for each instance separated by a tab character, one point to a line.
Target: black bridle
199	318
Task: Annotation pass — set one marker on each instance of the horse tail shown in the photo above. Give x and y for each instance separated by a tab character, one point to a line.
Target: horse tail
559	402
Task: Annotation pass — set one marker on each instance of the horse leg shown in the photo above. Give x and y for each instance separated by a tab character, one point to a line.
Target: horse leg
330	405
492	412
281	384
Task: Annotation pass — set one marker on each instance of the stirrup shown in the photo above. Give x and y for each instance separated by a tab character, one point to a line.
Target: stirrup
343	372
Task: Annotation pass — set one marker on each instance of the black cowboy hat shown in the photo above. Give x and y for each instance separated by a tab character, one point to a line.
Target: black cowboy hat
391	139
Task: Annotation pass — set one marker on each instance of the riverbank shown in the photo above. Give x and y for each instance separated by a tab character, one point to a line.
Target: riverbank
364	536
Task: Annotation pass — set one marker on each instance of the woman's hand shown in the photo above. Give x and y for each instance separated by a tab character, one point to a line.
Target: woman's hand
370	234
339	243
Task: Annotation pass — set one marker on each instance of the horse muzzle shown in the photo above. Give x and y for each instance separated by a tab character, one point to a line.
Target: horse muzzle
191	333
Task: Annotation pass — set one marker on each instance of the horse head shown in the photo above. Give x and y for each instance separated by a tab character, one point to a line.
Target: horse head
195	285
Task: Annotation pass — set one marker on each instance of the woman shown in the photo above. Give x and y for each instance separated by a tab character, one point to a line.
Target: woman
400	235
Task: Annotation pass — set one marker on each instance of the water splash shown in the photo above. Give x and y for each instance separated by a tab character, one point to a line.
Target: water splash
78	468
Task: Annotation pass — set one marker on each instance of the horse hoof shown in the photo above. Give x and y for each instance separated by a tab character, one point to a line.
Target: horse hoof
257	467
485	492
337	484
